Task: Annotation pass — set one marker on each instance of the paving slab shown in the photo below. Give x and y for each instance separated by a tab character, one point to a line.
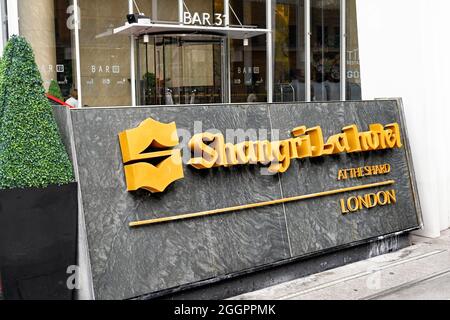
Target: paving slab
421	271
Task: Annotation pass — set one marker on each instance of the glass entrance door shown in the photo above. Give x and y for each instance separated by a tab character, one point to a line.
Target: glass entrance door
181	69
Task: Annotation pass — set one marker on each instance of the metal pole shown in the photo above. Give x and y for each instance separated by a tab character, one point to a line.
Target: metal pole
180	11
343	62
154	10
226	12
2	27
269	48
307	50
227	48
132	60
13	17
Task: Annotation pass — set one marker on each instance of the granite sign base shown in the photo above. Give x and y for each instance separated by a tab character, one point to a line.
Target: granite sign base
127	263
220	289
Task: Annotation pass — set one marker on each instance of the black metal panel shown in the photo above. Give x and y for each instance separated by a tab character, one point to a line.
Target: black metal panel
38	241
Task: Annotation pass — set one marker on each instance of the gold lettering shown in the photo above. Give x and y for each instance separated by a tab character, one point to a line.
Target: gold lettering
369	141
246	153
352	173
218	145
198	146
343	208
359	172
230	155
316	138
304	147
353	204
395	140
293	148
285	156
352	134
299	131
211	150
373	200
392	197
368	201
382	198
342	175
337	143
364	201
277	156
379	130
264	152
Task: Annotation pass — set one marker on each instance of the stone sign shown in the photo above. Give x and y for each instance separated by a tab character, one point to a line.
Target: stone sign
253	186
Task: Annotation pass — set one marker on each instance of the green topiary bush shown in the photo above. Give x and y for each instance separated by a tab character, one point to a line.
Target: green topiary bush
55	90
31	151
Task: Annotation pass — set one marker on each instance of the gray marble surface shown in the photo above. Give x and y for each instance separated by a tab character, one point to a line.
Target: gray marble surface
315	225
127	263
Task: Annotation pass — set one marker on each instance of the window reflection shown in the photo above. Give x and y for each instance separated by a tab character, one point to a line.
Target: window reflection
248	13
289	55
180	69
352	55
325	50
158	10
206	68
104	59
248	70
47	26
167	10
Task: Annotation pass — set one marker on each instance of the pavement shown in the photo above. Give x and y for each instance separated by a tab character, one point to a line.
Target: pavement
418	272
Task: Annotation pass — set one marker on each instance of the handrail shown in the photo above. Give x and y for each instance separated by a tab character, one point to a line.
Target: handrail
60	102
291	87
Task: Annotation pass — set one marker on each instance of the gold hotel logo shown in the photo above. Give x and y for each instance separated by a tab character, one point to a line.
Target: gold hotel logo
140	173
156	170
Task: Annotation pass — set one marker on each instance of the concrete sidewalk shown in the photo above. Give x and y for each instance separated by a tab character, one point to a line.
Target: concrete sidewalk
419	272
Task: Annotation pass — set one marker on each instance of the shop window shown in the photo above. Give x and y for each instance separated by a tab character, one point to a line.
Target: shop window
104	57
158	10
180	69
289	51
353	72
248	70
325	50
46	24
204	13
248	13
248	57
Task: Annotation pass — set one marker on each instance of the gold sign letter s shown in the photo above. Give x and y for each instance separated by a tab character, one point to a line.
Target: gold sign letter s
143	175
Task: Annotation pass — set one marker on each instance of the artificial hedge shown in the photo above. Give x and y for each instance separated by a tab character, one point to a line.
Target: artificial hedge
55	90
31	151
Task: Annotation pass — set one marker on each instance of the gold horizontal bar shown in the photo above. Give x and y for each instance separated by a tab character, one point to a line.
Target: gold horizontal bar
258	205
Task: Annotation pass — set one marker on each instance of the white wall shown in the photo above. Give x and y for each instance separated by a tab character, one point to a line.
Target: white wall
404	52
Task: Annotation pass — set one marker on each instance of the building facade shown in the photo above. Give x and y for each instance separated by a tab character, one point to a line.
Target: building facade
236	51
308	45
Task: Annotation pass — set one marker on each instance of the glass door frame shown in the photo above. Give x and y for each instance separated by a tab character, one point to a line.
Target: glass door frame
307	40
159	40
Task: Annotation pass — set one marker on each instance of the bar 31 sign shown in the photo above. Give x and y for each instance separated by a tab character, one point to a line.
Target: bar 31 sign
203	19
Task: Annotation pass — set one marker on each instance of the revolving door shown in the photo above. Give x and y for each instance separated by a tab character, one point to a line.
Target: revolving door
175	69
